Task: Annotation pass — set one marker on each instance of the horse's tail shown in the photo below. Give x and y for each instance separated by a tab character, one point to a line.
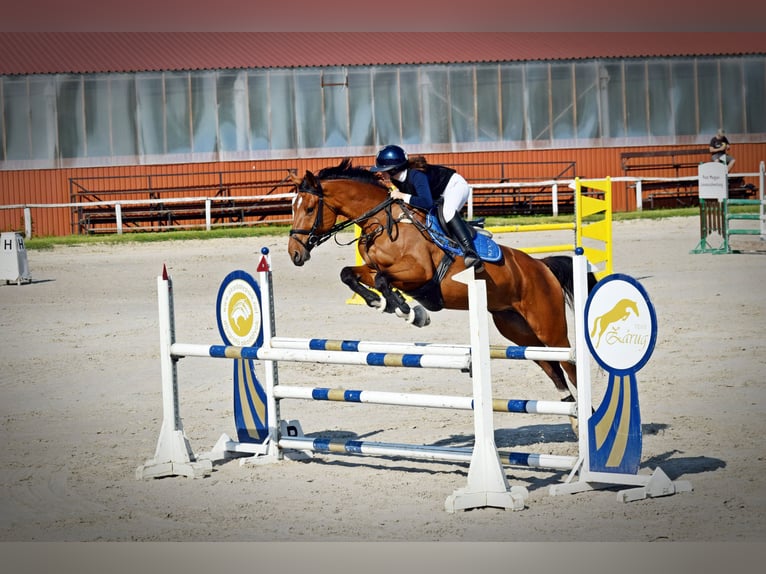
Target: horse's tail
561	267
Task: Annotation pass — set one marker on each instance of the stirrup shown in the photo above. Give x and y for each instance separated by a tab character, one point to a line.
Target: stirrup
475	262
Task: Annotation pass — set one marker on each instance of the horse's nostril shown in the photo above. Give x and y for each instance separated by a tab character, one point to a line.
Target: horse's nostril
298	260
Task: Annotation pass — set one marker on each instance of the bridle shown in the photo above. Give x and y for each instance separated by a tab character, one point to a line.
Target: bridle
313	237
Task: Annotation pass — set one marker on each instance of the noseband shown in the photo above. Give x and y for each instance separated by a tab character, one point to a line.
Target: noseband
313	238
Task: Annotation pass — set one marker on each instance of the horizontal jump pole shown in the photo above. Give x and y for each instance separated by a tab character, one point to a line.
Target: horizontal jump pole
449	454
496	351
548	248
744	201
461	362
422	400
539	227
744	231
761	230
533	227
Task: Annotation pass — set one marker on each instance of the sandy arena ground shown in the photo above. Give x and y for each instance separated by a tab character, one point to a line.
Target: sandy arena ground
81	409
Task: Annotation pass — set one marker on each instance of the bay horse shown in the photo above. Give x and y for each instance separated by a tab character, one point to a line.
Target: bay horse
527	297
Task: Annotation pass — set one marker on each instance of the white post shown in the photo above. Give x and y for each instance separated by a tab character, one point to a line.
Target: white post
173	456
639	196
207	214
28	223
487	485
582	365
762	209
271	368
469	204
118	216
555	198
582	355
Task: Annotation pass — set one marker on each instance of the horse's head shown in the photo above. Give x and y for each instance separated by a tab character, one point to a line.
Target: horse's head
343	191
312	218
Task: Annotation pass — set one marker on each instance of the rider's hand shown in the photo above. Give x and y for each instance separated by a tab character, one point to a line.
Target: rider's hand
395	193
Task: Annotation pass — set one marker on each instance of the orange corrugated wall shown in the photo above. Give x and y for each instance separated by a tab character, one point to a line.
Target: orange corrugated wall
53	186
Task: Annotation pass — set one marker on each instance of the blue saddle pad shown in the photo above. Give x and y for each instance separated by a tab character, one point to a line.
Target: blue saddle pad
485	246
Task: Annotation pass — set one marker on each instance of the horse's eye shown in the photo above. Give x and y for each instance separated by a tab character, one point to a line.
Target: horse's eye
310	210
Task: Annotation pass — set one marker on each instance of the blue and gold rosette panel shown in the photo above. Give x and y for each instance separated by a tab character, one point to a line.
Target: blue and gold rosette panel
622	332
238	310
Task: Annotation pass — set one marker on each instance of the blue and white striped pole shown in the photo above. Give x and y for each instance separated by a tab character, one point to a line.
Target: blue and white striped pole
264	353
495	351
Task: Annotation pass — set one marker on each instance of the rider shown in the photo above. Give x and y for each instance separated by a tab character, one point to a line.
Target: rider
419	183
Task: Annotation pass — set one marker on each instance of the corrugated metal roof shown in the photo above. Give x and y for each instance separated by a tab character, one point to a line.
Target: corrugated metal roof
94	52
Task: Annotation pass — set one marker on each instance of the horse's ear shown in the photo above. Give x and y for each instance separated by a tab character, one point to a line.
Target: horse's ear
293	178
311	180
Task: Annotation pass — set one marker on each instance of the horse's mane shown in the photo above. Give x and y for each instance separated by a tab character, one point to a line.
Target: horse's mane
344	170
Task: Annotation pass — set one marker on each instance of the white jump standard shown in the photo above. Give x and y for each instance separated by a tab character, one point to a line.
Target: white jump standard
609	444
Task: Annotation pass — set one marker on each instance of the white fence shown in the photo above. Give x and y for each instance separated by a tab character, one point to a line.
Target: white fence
555	186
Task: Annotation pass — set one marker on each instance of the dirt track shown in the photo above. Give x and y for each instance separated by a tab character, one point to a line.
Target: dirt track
81	406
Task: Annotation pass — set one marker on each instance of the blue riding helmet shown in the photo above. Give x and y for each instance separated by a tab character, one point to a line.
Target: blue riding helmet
390	158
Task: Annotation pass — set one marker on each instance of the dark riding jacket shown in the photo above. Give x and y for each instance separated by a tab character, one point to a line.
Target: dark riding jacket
425	187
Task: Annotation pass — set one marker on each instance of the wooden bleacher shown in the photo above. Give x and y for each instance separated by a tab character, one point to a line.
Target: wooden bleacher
675	159
231	194
658	194
520	199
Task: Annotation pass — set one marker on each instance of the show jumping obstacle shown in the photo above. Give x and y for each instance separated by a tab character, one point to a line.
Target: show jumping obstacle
716	218
716	221
246	321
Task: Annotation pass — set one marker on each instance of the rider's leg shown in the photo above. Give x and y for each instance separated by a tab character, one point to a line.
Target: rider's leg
453	199
460	232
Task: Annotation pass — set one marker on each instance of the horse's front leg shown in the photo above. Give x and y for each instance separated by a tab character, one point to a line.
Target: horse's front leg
359	279
415	314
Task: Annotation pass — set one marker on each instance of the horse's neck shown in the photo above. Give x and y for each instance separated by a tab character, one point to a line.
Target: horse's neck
353	199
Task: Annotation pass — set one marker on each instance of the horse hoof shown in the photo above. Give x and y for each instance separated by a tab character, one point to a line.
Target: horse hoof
575	424
419	316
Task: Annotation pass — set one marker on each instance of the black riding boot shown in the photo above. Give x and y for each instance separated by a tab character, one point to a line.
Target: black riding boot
460	232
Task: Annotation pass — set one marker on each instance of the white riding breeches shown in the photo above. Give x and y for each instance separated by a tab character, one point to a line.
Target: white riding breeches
455	195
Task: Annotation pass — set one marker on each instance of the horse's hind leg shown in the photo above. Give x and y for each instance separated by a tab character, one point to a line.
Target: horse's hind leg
515	328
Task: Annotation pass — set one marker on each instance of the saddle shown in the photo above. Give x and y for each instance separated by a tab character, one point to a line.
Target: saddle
483	243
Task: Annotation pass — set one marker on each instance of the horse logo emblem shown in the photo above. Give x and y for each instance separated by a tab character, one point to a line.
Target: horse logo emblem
239	322
621	324
240	314
620	312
